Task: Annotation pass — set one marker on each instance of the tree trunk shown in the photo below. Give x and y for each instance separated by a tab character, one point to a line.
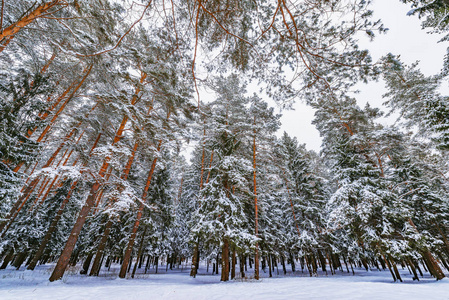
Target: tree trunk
7	259
147	264
193	270
216	269
20	258
139	254
269	265
432	264
323	262
62	263
413	268
132	238
256	226
86	264
42	9
395	268
443	261
100	250
389	266
225	260
233	263
292	260
242	266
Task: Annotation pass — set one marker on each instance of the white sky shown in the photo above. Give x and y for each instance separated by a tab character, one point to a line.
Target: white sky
405	37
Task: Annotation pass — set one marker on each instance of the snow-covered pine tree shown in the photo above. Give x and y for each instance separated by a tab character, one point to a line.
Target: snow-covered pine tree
219	218
22	100
362	206
307	193
418	100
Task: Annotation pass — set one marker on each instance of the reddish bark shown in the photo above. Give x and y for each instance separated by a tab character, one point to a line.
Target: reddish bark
225	260
64	258
104	238
30	187
132	238
56	219
435	269
51	229
41	10
256	229
86	71
58	112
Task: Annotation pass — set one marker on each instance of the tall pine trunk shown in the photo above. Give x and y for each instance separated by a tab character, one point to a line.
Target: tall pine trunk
8	33
56	219
132	238
256	218
97	261
63	261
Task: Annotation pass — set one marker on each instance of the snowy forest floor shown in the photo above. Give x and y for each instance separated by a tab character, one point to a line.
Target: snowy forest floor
177	284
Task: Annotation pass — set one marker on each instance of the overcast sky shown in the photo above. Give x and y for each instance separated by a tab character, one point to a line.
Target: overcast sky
405	37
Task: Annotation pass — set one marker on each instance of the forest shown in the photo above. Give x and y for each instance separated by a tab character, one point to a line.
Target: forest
99	100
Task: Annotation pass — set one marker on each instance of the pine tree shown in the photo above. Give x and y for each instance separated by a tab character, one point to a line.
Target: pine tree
417	99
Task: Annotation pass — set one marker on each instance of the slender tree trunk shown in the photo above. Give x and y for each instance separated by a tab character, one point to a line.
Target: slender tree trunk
147	264
314	264
86	264
242	266
443	261
18	205
233	262
7	259
225	260
323	262
56	219
62	263
94	271
167	262
193	270
20	258
292	260
413	268
269	265
429	259
139	254
256	226
130	264
216	269
97	261
388	265
395	268
132	238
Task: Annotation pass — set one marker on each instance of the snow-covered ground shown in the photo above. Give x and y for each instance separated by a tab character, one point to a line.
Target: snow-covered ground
177	284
